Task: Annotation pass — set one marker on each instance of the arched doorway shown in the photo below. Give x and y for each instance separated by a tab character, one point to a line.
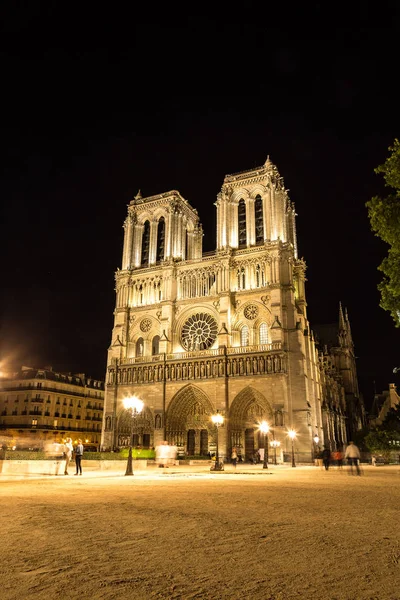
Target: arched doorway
188	421
248	410
140	428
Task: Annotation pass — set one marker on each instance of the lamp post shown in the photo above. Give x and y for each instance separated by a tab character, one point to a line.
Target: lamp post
316	442
135	405
275	444
217	419
292	435
264	428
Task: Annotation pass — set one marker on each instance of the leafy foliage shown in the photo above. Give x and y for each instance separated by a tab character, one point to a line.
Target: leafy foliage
384	216
377	442
386	437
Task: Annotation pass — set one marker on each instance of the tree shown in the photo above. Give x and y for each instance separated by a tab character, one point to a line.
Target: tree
384	216
379	442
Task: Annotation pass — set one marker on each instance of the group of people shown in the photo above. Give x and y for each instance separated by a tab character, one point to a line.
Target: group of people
78	452
325	458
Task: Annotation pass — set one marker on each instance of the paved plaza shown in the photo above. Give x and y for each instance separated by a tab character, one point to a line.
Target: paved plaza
188	533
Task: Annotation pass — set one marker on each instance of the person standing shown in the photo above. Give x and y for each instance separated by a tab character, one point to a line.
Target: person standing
353	456
163	454
78	457
234	457
68	448
326	458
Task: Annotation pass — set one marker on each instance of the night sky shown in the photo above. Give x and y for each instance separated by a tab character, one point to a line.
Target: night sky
100	104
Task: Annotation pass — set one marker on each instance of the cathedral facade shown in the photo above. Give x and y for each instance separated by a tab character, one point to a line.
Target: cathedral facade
225	331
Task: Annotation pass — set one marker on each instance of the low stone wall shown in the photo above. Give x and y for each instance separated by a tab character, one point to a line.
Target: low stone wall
56	467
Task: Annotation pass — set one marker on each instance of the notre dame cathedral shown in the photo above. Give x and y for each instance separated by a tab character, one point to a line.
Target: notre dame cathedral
196	333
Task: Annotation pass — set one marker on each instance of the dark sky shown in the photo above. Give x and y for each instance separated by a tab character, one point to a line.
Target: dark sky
99	104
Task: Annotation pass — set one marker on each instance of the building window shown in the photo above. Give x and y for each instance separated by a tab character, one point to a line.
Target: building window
160	239
139	347
242	223
263	333
258	207
155	346
145	244
244	336
34	422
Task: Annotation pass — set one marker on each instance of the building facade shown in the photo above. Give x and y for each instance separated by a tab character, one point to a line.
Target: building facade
41	406
195	333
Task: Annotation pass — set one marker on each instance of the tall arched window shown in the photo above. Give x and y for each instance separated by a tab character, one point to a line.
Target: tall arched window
155	346
242	223
244	336
243	278
160	239
145	244
263	333
258	208
258	278
139	347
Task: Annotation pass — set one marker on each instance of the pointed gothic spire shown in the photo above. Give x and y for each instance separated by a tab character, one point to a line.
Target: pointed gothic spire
138	196
342	324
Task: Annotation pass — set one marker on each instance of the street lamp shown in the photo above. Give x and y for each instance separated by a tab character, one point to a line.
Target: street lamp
275	444
292	435
217	419
264	428
316	447
135	405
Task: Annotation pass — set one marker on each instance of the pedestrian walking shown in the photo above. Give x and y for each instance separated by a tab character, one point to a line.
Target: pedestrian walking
68	449
78	458
339	458
319	459
234	457
326	458
352	455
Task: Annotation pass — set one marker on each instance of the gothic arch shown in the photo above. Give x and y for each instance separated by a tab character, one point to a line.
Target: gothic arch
240	194
142	424
258	190
144	216
190	408
248	409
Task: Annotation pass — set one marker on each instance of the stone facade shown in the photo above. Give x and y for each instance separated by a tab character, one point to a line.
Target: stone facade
42	406
195	333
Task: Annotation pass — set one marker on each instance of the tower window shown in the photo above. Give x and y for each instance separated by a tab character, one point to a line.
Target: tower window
145	244
258	208
242	223
160	239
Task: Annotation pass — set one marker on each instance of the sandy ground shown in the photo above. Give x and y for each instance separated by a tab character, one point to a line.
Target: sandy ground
186	533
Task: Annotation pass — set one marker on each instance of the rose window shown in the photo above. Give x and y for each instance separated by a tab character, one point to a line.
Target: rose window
145	325
251	312
199	332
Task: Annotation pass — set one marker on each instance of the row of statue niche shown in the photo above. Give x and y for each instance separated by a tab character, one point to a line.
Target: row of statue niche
255	364
195	370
